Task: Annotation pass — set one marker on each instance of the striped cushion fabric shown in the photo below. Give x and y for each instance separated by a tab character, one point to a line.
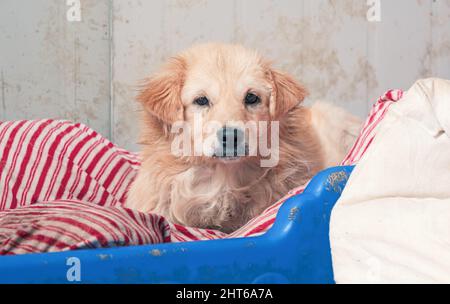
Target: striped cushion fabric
62	187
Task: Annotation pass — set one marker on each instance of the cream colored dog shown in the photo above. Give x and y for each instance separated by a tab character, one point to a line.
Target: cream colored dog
214	86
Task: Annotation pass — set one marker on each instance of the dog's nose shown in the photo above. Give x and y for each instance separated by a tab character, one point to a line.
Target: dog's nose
230	136
232	141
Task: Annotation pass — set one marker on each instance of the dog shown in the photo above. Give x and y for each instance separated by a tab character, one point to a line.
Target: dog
223	188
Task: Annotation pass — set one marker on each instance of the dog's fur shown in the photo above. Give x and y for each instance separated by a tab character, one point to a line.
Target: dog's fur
208	192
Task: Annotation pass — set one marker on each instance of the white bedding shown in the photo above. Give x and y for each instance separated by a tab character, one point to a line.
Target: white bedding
392	223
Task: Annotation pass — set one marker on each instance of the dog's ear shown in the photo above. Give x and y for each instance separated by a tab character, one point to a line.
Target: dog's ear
287	93
161	94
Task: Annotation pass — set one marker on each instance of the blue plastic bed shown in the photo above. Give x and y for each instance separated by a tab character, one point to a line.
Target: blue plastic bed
295	250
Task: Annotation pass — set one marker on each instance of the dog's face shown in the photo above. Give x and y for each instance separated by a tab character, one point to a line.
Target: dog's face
227	96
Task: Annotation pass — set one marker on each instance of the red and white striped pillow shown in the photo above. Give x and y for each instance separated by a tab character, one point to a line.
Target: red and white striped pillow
62	187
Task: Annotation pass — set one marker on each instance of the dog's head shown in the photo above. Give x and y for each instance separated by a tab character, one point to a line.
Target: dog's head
220	95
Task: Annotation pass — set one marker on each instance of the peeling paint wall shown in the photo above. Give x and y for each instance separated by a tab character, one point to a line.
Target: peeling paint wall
53	68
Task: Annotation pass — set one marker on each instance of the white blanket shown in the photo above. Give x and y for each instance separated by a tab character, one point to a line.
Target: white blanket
392	223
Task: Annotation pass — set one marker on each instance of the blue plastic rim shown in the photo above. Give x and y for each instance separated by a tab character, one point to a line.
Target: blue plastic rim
295	250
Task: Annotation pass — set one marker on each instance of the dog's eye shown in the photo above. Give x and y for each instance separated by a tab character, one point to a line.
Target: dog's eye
202	101
251	99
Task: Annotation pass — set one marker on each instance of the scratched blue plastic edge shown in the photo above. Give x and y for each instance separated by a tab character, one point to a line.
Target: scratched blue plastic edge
295	250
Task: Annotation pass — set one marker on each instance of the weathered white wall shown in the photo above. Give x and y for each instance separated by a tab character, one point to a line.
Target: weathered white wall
53	68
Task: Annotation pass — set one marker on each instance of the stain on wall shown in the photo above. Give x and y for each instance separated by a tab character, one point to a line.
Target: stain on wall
90	71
